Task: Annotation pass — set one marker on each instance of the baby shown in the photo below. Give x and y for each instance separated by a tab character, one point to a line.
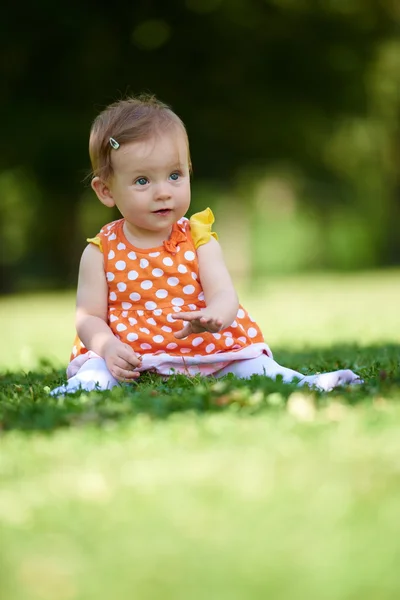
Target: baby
154	293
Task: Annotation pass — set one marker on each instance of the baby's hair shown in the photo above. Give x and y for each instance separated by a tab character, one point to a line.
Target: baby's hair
130	120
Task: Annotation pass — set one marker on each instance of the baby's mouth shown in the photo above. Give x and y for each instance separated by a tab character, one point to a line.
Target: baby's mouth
162	211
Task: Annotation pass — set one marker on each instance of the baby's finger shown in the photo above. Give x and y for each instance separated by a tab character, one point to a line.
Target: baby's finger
187	316
204	320
129	356
211	324
187	330
125	365
124	374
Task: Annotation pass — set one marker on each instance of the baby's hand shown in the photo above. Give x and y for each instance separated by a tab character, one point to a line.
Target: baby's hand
197	322
121	360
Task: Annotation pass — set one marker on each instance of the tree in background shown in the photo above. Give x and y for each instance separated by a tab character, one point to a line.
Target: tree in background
306	87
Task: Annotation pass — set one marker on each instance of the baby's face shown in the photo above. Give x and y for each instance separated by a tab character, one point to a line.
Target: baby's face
151	181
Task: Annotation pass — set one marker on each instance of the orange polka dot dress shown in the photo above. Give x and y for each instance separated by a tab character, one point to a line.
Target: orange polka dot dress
146	286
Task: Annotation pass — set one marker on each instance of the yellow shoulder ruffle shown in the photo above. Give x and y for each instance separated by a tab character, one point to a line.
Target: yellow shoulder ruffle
96	241
200	227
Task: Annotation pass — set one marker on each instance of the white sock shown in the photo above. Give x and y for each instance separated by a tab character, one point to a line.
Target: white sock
328	381
93	375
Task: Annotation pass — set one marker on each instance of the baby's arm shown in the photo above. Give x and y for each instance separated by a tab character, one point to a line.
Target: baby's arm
220	296
91	317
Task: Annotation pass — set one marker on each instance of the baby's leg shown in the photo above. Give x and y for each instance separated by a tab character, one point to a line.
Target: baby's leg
93	375
264	365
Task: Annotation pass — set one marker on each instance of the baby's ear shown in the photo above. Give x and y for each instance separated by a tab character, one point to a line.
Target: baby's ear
103	192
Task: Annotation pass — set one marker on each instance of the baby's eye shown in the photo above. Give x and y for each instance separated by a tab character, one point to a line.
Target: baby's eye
175	176
141	181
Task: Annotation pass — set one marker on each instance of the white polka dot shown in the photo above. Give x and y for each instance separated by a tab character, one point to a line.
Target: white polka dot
185	350
177	308
168	261
192	306
132	275
234	324
197	341
121	246
188	289
145	346
166	328
154	254
135	296
132	255
172	281
144	263
144	330
74	350
125	313
132	321
157	272
112	308
170	319
227	334
113	318
120	265
201	296
121	286
210	348
177	302
172	346
242	339
158	339
150	305
216	335
229	341
251	318
126	305
240	313
132	337
111	254
140	313
151	321
157	312
112	237
161	293
189	255
113	296
110	276
182	269
121	327
194	275
252	332
147	284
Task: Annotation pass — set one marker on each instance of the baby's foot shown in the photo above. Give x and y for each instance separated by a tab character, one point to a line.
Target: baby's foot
328	381
73	385
86	382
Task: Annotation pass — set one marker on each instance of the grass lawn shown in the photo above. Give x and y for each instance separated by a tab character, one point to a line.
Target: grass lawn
196	489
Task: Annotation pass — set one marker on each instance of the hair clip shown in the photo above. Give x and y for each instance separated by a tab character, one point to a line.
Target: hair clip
114	144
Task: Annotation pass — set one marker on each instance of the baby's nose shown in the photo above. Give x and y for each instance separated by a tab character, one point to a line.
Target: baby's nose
162	192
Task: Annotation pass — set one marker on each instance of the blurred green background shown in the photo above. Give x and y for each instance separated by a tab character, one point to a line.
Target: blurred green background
292	109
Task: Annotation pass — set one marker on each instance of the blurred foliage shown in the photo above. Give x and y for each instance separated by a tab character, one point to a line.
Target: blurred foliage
292	108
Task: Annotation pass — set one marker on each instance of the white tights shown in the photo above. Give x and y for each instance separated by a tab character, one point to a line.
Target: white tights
264	365
94	374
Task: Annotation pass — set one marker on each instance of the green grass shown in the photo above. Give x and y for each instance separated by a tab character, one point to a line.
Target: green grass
195	489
